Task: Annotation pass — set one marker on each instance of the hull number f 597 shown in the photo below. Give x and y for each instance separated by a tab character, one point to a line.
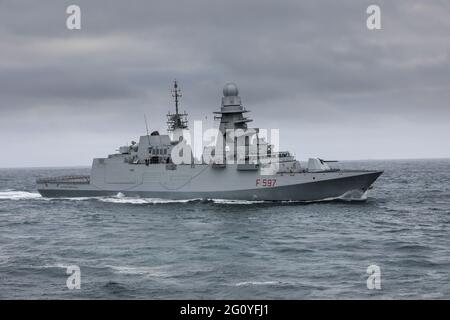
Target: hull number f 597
266	182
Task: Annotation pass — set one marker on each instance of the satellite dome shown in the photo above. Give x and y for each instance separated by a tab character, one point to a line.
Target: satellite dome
230	90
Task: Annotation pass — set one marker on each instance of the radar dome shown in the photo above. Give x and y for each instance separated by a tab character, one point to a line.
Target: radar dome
230	90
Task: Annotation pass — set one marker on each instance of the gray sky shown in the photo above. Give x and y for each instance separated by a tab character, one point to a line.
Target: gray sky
311	68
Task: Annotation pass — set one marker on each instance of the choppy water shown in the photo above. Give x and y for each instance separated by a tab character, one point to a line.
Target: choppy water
150	248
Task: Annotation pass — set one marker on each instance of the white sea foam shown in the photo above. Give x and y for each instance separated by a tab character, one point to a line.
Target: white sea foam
72	198
354	195
227	201
132	200
160	271
120	198
58	265
124	200
18	195
256	283
4	259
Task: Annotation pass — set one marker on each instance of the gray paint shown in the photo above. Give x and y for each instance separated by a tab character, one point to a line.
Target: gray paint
328	188
130	173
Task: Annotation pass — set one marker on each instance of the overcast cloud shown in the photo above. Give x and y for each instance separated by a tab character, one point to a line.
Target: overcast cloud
311	68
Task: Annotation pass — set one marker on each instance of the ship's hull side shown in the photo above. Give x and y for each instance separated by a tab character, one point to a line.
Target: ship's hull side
298	187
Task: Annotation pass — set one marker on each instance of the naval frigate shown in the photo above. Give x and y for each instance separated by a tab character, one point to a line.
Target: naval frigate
162	166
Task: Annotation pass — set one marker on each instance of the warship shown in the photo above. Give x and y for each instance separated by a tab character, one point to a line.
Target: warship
241	164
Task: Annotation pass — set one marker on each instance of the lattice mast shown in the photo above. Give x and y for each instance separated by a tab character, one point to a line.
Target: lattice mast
176	120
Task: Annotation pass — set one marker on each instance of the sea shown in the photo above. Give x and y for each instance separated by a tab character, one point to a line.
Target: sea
393	245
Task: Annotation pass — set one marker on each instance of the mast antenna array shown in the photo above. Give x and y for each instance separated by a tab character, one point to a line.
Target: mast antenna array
176	120
176	93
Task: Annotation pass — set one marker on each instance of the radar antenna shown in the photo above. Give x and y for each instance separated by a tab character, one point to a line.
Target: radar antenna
176	93
176	120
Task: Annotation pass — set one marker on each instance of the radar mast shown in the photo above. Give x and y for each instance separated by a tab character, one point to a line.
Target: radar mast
176	120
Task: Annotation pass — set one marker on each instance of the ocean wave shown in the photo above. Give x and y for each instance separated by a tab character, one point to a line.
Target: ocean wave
133	200
137	200
122	199
57	265
119	199
4	259
228	201
159	272
257	283
10	194
18	195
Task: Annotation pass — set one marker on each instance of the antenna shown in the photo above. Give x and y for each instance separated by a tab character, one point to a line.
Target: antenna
176	94
146	123
146	127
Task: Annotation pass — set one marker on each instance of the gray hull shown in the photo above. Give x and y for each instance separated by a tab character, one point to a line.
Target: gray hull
350	185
